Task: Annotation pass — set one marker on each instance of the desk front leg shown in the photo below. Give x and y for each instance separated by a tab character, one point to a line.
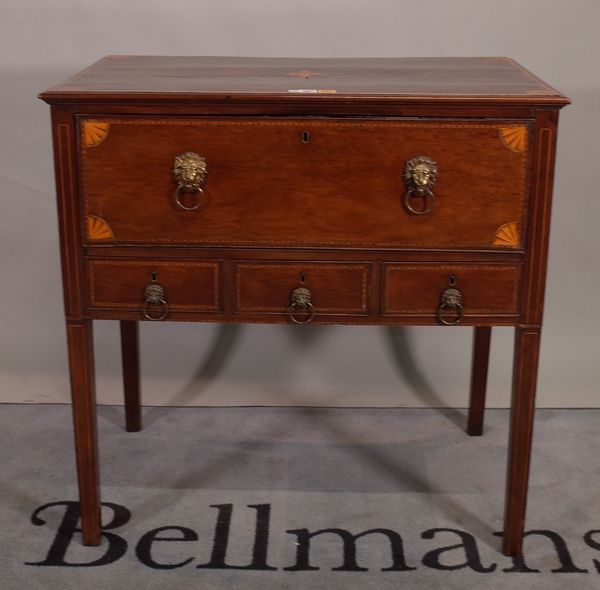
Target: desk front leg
81	366
525	369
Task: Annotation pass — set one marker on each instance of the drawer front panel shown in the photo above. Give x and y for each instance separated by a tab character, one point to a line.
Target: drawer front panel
334	289
186	285
304	182
486	290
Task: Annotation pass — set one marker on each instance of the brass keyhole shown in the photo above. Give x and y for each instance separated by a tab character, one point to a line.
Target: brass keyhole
302	278
305	136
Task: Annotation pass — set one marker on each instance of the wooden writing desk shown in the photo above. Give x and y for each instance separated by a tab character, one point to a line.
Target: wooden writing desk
335	191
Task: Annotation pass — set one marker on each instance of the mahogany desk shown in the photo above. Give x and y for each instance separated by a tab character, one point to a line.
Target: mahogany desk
334	191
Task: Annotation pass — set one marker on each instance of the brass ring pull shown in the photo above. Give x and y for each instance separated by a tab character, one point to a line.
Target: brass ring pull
162	309
300	301
420	175
429	202
190	171
458	311
180	188
308	308
155	306
451	301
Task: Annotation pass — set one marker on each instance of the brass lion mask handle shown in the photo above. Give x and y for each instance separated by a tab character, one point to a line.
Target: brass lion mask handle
450	311
420	175
189	171
301	305
155	305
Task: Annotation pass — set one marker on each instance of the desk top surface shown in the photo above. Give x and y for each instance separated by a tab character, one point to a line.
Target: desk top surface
160	78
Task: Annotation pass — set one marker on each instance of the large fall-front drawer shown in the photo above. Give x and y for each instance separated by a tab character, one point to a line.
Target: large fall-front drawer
304	182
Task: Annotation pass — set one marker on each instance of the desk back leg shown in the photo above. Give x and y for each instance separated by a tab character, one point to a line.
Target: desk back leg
479	373
131	374
81	368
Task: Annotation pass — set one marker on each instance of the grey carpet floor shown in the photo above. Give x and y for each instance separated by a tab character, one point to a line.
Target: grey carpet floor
241	492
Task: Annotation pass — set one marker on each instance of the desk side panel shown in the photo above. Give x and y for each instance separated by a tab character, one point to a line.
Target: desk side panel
63	131
540	205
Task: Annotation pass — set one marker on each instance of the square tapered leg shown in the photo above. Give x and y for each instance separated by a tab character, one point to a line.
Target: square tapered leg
525	368
81	366
479	373
131	375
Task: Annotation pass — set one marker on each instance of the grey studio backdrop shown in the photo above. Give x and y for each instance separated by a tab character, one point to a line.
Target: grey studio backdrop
44	41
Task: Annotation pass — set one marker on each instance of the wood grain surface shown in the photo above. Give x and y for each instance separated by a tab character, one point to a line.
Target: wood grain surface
165	78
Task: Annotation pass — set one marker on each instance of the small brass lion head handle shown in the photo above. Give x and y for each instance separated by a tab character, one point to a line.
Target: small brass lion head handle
155	305
420	176
190	171
450	311
300	303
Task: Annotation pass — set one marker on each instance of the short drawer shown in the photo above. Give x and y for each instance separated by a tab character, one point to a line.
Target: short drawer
421	289
276	288
155	286
300	183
